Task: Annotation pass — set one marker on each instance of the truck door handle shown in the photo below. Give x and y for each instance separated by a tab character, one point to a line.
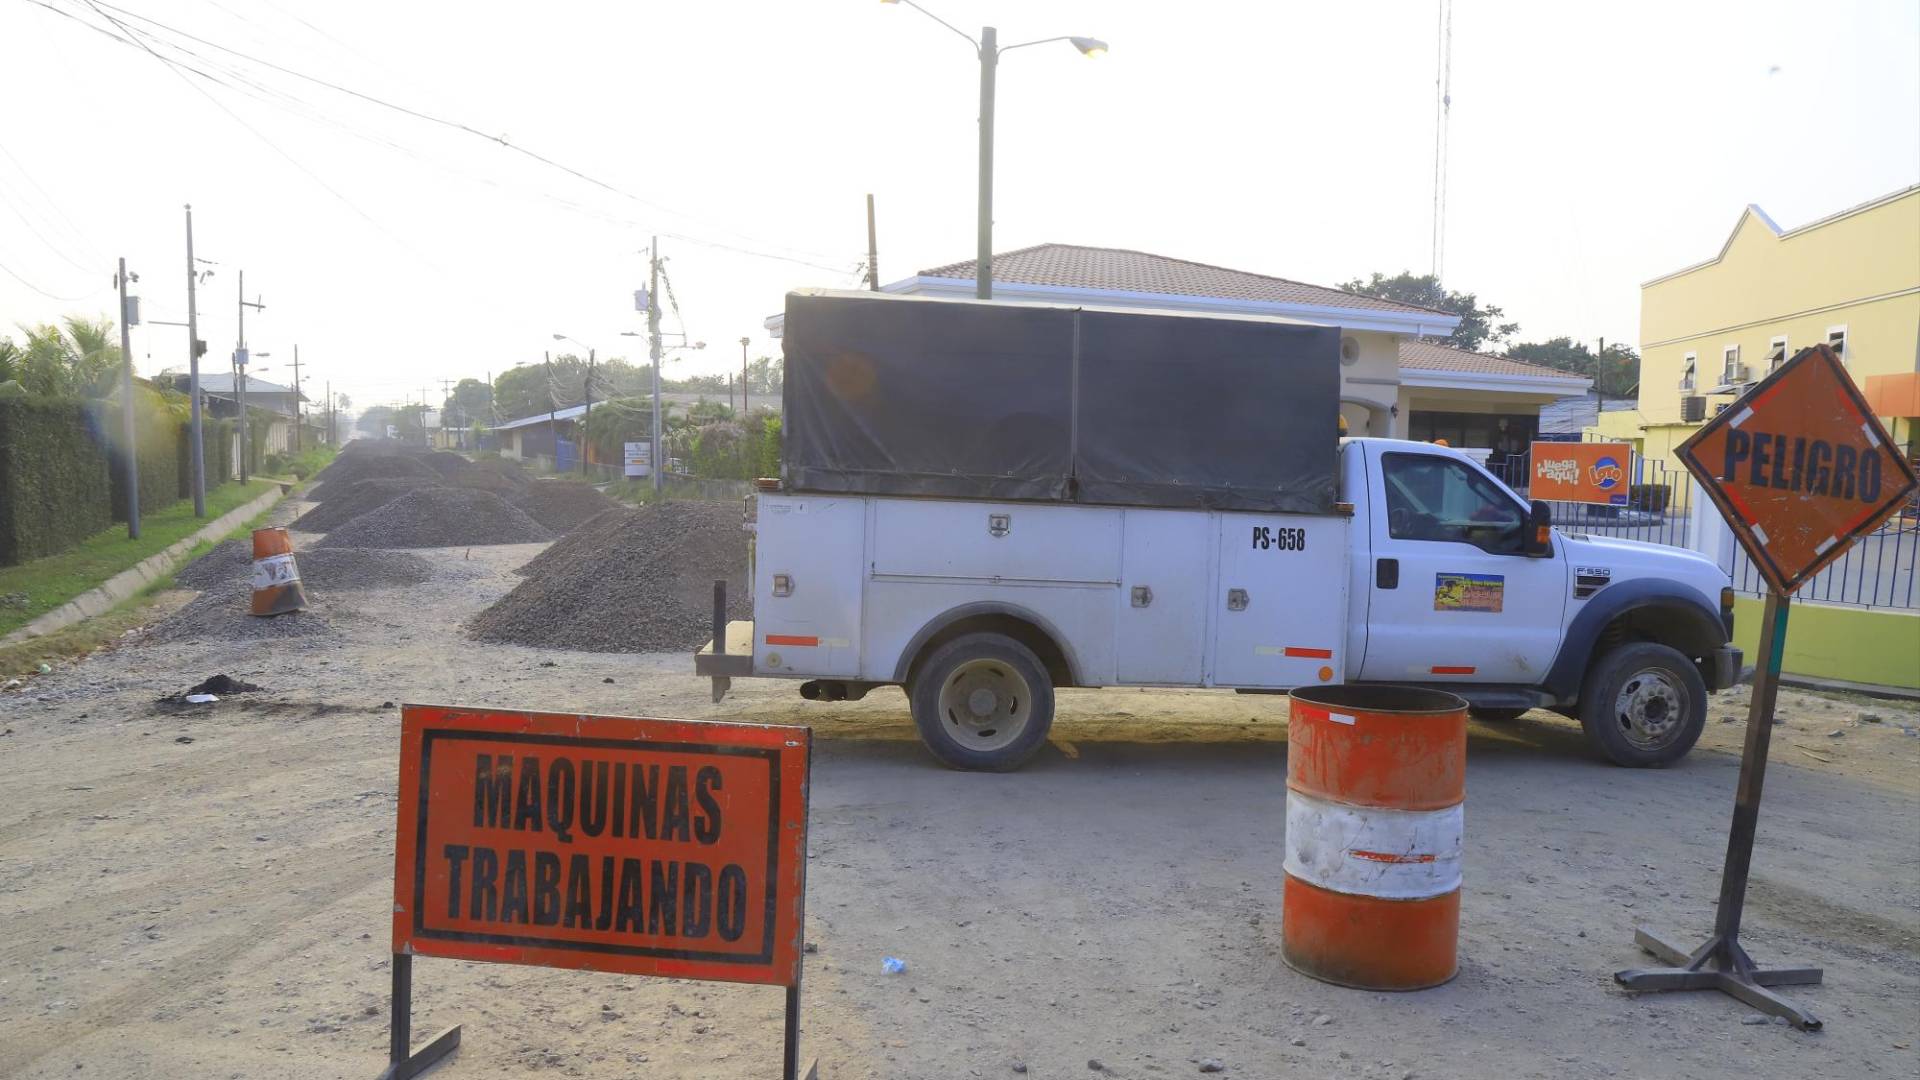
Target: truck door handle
1236	599
1142	596
1386	573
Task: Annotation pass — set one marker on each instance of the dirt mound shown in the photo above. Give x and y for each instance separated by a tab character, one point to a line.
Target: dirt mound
506	485
438	517
220	614
343	504
563	505
447	463
374	466
322	570
601	530
637	580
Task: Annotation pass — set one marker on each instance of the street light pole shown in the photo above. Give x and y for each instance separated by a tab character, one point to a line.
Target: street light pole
989	66
132	478
653	350
240	375
193	377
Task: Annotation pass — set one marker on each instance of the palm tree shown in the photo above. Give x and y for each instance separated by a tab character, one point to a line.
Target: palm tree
10	358
80	360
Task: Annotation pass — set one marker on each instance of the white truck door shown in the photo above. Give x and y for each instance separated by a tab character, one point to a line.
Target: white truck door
1452	600
1280	600
1160	631
807	576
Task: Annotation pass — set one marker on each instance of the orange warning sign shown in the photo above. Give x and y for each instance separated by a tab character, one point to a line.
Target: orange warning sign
1799	467
639	846
1580	472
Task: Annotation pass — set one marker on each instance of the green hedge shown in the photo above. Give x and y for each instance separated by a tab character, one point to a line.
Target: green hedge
217	457
157	438
55	487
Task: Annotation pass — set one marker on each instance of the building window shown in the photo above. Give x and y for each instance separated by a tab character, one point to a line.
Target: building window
1837	341
1730	365
1691	364
1776	354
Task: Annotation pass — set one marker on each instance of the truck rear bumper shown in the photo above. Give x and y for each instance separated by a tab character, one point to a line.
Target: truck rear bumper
1727	661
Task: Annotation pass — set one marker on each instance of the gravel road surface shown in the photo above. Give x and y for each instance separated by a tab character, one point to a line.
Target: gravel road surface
206	893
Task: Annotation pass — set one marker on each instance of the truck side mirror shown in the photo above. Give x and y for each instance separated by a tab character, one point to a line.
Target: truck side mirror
1539	540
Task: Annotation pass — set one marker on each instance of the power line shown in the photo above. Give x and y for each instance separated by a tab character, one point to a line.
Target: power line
468	129
51	296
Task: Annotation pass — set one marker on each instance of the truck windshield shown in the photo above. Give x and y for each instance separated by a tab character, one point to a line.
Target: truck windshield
1437	498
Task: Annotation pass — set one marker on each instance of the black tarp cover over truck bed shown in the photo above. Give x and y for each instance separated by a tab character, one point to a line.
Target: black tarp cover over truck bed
892	395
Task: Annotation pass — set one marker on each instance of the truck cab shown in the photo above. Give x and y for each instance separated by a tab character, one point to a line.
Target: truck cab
1450	586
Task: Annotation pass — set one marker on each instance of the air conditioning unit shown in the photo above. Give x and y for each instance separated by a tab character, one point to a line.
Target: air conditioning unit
1736	374
1693	409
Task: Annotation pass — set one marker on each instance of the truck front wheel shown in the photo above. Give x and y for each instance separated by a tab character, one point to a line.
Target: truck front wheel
1643	704
982	702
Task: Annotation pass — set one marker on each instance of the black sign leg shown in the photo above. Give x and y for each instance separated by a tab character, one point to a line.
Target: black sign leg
1721	964
401	1062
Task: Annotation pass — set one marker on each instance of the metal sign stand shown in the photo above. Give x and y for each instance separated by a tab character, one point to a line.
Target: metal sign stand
402	1063
1721	964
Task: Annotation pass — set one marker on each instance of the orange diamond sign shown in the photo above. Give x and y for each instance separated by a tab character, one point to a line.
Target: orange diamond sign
1799	467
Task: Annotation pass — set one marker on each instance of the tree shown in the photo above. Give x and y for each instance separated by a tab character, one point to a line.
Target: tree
1479	325
766	375
77	359
1614	372
471	400
342	402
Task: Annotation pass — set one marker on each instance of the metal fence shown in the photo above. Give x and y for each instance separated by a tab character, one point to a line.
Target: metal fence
1879	571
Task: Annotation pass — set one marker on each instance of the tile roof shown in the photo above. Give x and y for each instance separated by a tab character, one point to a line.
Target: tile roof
1073	266
222	383
1429	356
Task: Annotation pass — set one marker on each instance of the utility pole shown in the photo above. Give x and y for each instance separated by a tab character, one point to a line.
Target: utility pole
983	261
333	435
553	424
193	377
586	388
873	249
653	349
240	376
126	408
298	421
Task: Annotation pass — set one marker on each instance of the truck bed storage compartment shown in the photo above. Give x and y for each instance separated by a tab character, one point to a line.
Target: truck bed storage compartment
890	395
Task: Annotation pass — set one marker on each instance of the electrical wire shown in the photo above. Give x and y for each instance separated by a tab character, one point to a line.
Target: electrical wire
51	296
468	129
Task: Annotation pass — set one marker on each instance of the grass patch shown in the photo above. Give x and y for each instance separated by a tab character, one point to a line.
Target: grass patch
34	588
22	659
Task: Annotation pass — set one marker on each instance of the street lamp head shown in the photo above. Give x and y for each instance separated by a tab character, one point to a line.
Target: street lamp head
559	337
1090	47
699	344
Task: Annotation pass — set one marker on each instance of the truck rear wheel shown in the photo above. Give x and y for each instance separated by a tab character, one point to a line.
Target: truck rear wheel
982	702
1643	704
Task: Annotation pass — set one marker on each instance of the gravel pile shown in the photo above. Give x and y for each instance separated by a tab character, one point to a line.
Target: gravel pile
343	504
220	614
563	505
506	485
322	570
447	463
637	580
376	466
599	531
438	517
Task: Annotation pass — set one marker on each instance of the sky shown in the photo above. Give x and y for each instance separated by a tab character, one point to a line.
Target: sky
1591	147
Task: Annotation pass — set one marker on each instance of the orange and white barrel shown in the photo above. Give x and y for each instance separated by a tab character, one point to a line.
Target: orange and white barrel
1376	793
276	578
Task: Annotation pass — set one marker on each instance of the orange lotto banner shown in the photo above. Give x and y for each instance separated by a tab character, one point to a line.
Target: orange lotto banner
640	846
1598	473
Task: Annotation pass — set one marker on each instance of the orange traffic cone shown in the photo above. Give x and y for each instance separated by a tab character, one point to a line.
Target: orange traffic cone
276	580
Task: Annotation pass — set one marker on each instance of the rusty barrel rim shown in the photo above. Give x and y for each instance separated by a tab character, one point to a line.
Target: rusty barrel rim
1384	699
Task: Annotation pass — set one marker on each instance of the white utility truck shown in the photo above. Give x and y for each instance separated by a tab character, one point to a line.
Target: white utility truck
936	532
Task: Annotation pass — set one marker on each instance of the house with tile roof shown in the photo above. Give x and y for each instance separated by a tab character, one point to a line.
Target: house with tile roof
1392	382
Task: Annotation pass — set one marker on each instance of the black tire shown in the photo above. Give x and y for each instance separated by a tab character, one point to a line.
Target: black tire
1643	704
1497	716
1003	675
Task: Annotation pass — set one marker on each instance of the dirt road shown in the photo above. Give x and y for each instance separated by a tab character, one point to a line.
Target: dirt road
205	893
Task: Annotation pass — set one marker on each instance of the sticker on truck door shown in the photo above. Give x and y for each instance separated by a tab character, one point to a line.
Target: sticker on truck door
1468	592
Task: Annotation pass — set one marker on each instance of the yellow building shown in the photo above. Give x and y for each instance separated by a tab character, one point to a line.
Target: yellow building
1711	330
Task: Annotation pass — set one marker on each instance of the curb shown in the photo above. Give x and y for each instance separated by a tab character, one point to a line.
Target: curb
105	597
